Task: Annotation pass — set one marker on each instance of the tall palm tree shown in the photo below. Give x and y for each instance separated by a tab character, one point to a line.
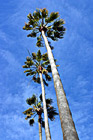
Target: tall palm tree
50	26
32	112
38	65
37	109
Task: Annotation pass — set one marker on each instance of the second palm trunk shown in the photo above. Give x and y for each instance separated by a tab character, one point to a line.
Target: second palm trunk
47	130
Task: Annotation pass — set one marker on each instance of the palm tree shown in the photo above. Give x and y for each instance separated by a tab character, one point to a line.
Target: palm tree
37	109
50	26
38	65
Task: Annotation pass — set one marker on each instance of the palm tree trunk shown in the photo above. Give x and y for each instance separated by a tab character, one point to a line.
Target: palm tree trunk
47	130
40	129
67	124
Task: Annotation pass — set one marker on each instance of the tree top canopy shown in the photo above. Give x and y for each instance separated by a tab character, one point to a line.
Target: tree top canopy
51	24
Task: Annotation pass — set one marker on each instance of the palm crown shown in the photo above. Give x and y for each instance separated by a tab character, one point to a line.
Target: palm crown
38	63
50	24
37	109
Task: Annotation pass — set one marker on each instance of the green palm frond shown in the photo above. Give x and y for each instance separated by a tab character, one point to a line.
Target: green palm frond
27	27
38	56
36	79
43	124
51	113
49	101
48	78
39	42
49	68
31	122
34	55
37	15
31	100
45	82
32	34
46	62
28	110
45	57
58	23
40	97
26	66
52	17
44	12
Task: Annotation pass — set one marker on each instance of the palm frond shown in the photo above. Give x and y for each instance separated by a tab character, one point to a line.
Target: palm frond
49	68
45	82
31	122
27	27
38	56
44	12
28	111
52	17
34	55
32	34
37	15
49	101
43	124
48	78
51	113
31	100
39	42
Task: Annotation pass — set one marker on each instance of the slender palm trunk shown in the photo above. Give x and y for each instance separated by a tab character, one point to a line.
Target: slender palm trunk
67	124
40	128
47	130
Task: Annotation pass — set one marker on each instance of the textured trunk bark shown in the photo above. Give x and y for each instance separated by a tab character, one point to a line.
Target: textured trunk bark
67	124
47	130
40	129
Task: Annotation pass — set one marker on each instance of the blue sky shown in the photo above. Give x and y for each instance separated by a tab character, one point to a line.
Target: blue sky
74	54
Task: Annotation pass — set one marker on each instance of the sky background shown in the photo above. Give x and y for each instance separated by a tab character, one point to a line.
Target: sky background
74	54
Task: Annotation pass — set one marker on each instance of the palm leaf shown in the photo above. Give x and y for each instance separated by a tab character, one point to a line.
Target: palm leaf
31	100
44	12
45	57
28	58
50	32
48	78
49	101
40	97
33	34
28	111
51	113
27	71
43	124
45	82
37	80
39	42
37	15
34	55
27	27
46	62
48	68
29	62
52	17
26	66
38	56
30	73
58	23
31	122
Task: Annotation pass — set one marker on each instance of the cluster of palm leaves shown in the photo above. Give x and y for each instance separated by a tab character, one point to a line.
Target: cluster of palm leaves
41	20
37	63
45	27
37	109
